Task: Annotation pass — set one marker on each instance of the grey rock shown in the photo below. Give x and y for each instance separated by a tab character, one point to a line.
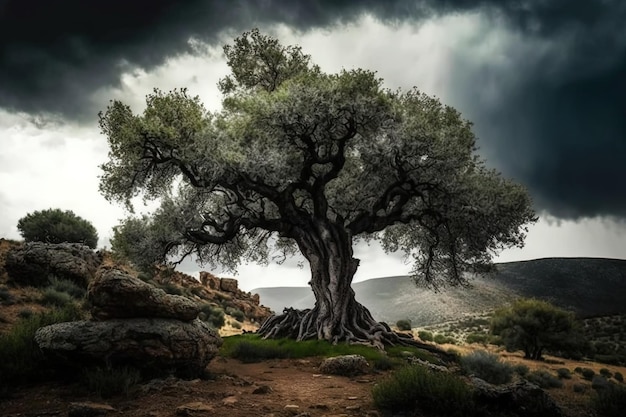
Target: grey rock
520	398
34	262
346	365
158	346
116	294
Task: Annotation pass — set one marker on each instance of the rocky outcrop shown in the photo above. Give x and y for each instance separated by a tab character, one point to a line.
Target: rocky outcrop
34	262
346	365
516	399
134	324
153	345
229	285
209	280
116	294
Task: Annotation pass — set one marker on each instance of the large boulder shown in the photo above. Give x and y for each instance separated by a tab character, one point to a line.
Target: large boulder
116	294
34	262
229	285
520	398
158	346
346	365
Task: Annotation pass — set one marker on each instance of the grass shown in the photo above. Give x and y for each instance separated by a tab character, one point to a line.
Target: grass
67	286
53	297
416	387
610	402
110	381
22	360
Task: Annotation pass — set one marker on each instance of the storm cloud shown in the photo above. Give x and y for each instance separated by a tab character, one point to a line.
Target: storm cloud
558	124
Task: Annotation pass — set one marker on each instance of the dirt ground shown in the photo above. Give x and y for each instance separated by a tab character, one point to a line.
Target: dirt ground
272	388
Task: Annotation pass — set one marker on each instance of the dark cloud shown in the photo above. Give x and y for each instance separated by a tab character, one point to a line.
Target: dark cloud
561	132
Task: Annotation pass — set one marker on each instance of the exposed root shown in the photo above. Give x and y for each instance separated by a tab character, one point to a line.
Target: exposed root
360	328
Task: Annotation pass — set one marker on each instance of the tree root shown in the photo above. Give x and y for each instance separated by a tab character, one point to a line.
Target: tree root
361	328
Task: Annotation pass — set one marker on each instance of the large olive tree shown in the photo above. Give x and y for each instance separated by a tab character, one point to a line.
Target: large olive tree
301	160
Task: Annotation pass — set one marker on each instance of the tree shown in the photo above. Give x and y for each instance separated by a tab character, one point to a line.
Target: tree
57	226
534	326
301	160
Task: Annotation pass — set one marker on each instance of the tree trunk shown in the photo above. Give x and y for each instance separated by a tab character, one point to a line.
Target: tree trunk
337	316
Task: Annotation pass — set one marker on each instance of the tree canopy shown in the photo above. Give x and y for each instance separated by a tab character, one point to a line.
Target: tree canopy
301	160
57	226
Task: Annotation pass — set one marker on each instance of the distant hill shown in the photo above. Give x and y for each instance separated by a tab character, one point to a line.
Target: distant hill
588	286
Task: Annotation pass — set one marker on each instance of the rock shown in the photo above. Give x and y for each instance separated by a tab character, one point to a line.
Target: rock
229	285
346	365
519	398
88	409
263	389
209	280
292	409
158	346
194	409
116	294
34	262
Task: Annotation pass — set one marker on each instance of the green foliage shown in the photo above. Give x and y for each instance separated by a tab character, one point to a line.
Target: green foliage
22	360
564	373
487	366
107	382
521	369
533	326
236	325
544	379
605	373
598	382
53	297
477	338
442	339
212	315
67	286
57	226
610	402
410	351
403	325
416	387
6	298
425	335
618	376
587	373
236	313
384	363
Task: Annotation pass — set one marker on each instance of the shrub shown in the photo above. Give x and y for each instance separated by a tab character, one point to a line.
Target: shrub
477	338
384	363
52	297
236	313
22	360
587	373
599	382
544	379
110	381
564	373
214	316
417	387
248	352
521	369
618	376
442	339
403	325
605	373
610	402
25	313
579	388
487	366
236	325
533	325
578	370
67	286
57	226
425	336
6	297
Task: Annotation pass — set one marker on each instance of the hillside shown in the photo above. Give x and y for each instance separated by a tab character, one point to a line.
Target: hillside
589	286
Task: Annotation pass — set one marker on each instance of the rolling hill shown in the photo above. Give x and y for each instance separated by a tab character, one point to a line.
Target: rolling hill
588	286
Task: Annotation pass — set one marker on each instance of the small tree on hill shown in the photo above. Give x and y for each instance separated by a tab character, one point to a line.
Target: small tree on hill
57	226
301	160
534	326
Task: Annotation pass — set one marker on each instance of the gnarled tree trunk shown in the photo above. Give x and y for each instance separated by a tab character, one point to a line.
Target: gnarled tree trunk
337	316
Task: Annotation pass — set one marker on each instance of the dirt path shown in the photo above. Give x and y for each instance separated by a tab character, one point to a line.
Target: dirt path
273	388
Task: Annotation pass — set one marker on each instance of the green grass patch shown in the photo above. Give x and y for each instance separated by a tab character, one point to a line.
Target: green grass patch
416	387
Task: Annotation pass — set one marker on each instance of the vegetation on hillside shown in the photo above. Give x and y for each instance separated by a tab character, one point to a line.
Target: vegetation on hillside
57	226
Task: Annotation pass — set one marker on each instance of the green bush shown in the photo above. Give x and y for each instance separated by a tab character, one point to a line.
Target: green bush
564	373
236	313
67	286
487	366
6	297
544	379
441	339
25	313
425	335
111	381
22	360
579	388
416	387
521	369
477	338
605	373
587	373
610	402
236	325
384	363
403	325
618	377
214	316
57	226
52	297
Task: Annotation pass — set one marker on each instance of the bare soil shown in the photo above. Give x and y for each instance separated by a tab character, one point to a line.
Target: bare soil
271	388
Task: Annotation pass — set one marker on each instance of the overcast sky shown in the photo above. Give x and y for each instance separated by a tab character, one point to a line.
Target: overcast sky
543	81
